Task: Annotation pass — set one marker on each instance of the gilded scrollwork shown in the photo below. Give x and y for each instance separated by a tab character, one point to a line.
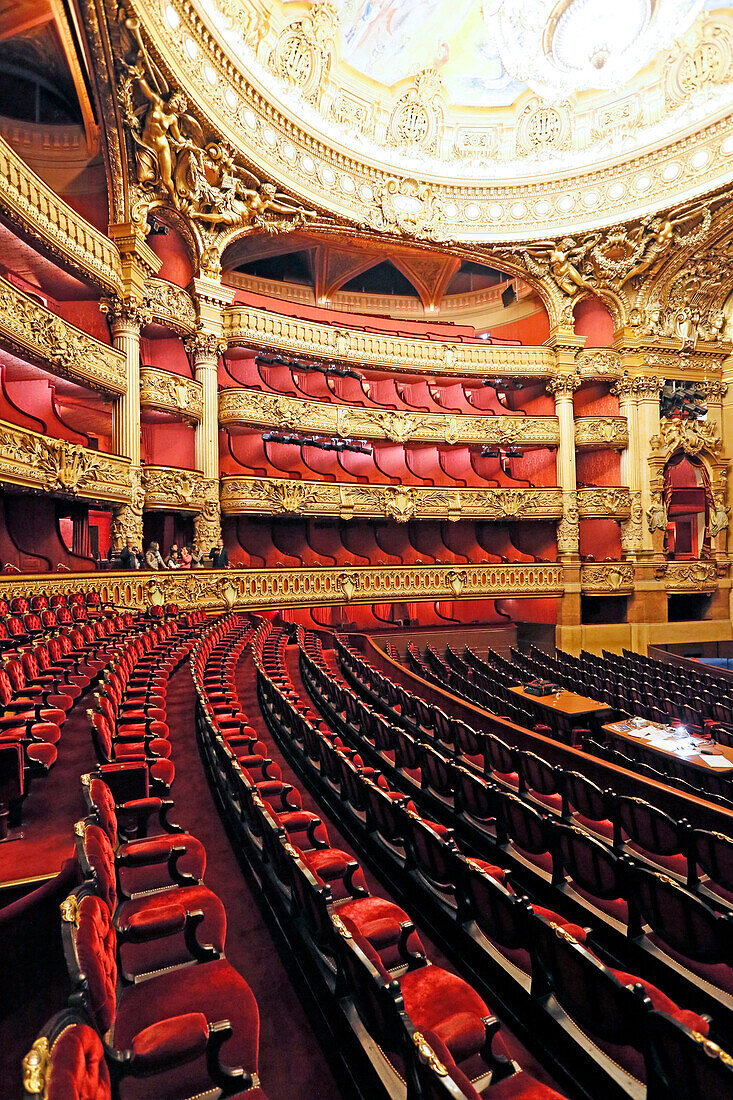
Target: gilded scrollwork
56	466
57	345
690	436
207	522
399	502
604	501
632	530
166	487
602	431
607	577
171	393
246	406
127	521
171	305
694	576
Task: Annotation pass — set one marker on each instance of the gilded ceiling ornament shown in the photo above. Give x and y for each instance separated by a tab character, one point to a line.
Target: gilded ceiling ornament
177	165
706	62
561	260
408	208
417	117
690	436
304	51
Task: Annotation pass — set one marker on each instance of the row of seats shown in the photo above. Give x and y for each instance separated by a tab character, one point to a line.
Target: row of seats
547	949
294	845
156	1010
416	394
669	925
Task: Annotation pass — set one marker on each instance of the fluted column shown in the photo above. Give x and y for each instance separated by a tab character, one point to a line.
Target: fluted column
204	349
715	392
563	386
126	316
631	459
648	389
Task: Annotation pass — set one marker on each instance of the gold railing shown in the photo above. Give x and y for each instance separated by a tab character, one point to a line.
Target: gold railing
602	431
34	332
255	589
40	462
256	328
176	489
32	205
171	393
252	407
244	495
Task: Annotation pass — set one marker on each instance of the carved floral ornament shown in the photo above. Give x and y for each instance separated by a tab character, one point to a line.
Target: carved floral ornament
607	577
245	406
171	488
53	465
171	393
59	346
690	436
604	501
398	502
171	305
695	576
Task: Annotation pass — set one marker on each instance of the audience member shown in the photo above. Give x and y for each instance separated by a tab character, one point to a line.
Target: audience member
185	557
197	558
130	555
172	561
219	556
153	557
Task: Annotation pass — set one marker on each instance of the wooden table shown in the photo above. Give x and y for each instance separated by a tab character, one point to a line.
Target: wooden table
566	703
619	732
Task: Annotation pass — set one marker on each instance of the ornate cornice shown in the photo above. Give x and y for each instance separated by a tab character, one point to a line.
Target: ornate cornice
602	501
607	578
302	587
602	431
34	332
171	306
245	406
40	213
180	490
245	326
49	465
243	495
171	393
237	99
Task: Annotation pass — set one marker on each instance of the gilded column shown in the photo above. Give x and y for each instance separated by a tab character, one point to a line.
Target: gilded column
715	392
563	386
651	499
204	349
631	460
126	317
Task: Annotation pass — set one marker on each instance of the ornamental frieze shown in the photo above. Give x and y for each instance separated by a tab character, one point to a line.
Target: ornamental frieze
172	393
602	431
245	326
180	490
607	578
596	502
39	462
252	407
29	202
171	305
255	589
244	495
693	576
61	348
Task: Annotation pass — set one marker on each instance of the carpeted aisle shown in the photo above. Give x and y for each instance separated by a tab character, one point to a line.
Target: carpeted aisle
292	1064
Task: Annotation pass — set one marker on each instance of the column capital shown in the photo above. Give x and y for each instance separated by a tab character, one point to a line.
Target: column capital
563	385
126	314
205	347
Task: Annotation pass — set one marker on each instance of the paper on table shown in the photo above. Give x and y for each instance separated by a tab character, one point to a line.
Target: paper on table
717	761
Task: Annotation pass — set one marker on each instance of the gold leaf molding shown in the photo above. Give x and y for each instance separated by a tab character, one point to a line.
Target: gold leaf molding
243	495
27	200
33	331
180	490
607	578
604	501
39	462
171	305
257	328
171	393
245	406
602	431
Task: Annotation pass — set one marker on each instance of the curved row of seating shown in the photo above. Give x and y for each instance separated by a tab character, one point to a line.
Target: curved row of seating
155	1010
577	868
366	946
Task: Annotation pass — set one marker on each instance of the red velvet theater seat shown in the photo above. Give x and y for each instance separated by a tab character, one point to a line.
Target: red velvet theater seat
165	1020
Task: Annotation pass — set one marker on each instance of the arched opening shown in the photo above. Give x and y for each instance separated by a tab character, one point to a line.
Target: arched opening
687	497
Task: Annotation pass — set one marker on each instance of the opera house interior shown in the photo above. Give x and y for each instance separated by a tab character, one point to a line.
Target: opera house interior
366	621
